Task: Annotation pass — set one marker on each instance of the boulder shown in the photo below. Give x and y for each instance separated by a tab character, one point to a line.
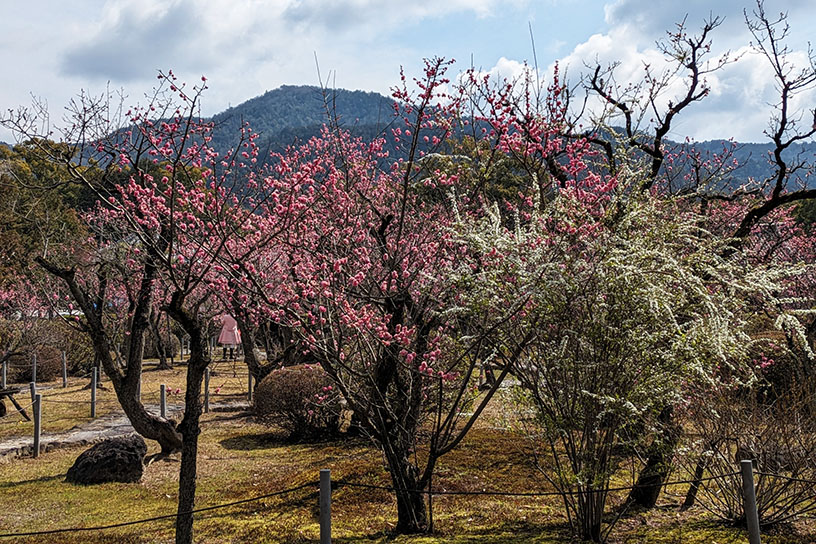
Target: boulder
114	460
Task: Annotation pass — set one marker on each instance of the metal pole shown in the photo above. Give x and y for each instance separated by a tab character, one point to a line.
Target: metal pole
37	423
33	388
163	401
749	505
206	390
64	371
34	368
325	506
94	382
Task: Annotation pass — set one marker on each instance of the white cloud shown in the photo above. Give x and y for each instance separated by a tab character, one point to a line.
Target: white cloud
742	93
351	14
244	47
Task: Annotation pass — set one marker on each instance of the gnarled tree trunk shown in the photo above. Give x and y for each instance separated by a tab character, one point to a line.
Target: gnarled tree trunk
658	463
155	332
190	427
412	514
124	377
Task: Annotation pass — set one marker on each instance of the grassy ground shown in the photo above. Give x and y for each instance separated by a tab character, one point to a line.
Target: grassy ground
240	459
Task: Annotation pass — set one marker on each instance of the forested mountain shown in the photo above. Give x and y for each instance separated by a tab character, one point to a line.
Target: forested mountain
753	158
291	114
295	113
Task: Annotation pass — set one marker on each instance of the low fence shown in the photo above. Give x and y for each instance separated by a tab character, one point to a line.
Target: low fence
325	486
18	413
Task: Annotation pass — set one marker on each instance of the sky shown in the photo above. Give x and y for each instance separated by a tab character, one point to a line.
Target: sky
52	49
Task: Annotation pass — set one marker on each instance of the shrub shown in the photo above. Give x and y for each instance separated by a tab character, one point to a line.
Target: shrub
300	400
49	364
776	432
79	351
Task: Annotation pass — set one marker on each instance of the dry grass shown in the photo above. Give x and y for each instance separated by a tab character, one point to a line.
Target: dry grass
240	459
65	408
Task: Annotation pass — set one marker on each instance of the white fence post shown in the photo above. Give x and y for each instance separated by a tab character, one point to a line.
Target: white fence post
325	506
206	390
64	371
749	505
94	382
37	406
163	401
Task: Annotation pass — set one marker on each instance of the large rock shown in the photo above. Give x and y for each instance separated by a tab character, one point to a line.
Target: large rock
114	460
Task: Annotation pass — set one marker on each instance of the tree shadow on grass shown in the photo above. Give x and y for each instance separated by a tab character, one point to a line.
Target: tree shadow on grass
509	532
41	479
279	438
259	441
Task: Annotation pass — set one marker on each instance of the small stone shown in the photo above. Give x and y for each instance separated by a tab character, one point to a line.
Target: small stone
114	460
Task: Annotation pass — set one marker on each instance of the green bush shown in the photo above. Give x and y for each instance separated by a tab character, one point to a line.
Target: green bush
49	365
300	400
79	352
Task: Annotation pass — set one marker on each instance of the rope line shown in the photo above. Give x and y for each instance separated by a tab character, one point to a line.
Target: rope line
531	493
157	518
340	483
26	407
789	478
56	401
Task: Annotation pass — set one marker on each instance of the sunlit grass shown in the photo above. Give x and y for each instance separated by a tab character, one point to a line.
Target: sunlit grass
240	459
65	408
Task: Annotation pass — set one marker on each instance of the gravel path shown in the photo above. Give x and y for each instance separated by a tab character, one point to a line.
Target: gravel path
104	427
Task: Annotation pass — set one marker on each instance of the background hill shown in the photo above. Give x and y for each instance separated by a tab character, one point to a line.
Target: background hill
296	113
753	158
291	114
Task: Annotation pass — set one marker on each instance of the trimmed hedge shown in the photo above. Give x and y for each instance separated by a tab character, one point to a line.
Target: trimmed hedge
300	400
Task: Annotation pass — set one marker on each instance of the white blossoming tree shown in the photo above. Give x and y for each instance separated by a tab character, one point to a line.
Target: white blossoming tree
619	315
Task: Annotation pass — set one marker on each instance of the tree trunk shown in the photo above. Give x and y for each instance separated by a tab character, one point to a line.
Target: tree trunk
159	341
254	366
412	516
125	380
590	513
691	494
149	426
699	470
248	339
658	463
190	427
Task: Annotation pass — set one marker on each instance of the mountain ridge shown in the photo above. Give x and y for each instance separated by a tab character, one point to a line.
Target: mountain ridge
294	113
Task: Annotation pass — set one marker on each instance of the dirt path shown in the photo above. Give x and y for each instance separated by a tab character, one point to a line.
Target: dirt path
108	426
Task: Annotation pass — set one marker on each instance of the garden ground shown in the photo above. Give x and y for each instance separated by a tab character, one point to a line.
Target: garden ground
240	459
